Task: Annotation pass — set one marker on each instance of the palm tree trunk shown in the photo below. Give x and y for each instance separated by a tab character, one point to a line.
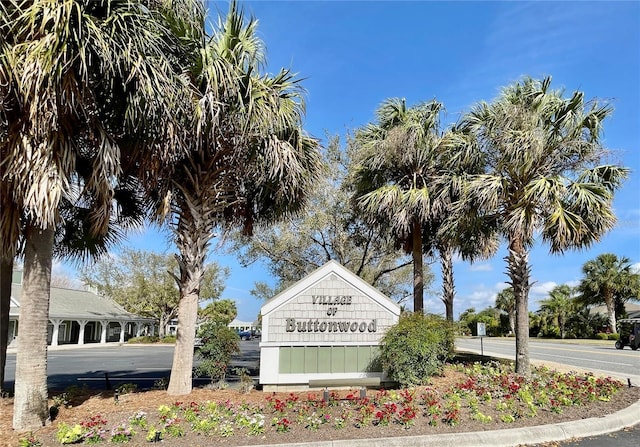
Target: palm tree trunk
181	380
519	273
448	285
30	409
191	268
418	269
512	321
611	310
6	273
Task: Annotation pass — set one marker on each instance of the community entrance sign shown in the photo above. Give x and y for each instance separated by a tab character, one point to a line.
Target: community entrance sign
326	327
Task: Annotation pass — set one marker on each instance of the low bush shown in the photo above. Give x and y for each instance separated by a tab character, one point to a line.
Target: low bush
168	339
143	339
219	343
416	348
613	337
602	336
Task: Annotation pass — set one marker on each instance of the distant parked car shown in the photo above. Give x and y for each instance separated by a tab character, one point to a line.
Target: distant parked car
245	335
629	330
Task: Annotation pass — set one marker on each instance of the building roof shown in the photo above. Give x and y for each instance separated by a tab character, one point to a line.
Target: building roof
238	323
629	307
328	270
73	304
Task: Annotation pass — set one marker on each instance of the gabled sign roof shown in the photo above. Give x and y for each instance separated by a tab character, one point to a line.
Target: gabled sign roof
330	268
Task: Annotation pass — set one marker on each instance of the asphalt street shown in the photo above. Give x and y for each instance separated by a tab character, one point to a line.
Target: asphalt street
102	367
626	438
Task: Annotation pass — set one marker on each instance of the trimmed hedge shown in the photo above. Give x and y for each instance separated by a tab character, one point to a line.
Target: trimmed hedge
144	339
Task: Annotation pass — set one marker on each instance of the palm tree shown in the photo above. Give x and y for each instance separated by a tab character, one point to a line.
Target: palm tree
453	229
249	161
506	302
608	278
560	305
394	175
10	216
544	175
92	85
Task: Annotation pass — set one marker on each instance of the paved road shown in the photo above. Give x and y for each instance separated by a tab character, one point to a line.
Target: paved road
139	364
625	438
602	358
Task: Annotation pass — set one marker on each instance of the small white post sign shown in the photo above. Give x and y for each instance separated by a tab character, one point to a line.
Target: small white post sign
482	332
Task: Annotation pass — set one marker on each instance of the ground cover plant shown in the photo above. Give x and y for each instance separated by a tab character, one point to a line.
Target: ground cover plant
466	397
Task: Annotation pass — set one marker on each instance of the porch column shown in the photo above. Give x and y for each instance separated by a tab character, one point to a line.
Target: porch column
103	336
138	328
56	328
82	324
123	325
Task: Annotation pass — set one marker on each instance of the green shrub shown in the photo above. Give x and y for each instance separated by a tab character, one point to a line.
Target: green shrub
613	337
219	343
143	339
602	336
168	339
127	388
416	348
67	434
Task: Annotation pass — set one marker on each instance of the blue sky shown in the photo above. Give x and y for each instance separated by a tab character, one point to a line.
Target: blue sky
354	55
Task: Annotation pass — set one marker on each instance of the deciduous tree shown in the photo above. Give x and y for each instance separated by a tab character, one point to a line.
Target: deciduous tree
143	283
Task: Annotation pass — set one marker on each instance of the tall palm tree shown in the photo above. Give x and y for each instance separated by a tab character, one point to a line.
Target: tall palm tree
93	83
506	302
249	161
608	278
454	229
560	305
394	175
544	173
10	216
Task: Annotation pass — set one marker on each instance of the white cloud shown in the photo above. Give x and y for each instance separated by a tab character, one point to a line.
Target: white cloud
481	268
573	283
540	291
480	298
483	296
635	267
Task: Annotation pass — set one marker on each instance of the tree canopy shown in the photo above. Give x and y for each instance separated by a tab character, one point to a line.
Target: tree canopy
609	279
544	174
143	283
330	229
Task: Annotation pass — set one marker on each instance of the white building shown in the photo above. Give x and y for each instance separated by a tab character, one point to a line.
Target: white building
79	317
